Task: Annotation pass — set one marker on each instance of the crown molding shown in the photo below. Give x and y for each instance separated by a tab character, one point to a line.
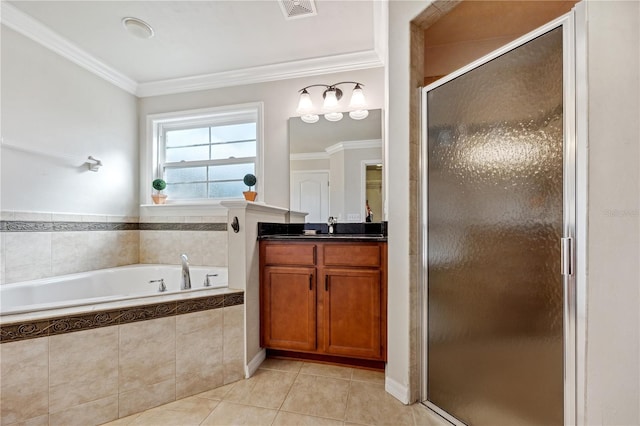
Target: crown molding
35	30
261	74
363	144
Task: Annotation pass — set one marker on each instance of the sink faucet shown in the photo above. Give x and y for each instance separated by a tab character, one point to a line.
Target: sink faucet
331	221
185	283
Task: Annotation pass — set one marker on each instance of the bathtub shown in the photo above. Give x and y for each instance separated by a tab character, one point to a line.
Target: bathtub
104	286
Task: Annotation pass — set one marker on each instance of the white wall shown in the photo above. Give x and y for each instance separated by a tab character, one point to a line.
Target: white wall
613	300
53	106
280	101
397	373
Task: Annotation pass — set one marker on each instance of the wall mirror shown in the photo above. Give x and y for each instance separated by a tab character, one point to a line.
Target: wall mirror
336	168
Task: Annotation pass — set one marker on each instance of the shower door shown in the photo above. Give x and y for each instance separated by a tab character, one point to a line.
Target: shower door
497	195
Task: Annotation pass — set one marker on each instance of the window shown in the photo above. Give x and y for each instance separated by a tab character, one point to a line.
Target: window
205	154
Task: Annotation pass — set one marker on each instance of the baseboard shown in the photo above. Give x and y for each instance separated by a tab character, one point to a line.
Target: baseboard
397	390
250	369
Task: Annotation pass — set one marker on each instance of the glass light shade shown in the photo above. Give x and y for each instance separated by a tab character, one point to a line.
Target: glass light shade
357	99
305	106
330	99
310	118
359	114
333	116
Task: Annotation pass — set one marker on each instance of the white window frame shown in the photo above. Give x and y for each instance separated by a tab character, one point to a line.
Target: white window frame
152	155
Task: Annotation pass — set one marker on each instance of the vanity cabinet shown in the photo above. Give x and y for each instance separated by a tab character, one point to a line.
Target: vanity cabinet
324	298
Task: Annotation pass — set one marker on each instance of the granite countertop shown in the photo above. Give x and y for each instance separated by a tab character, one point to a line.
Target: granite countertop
325	237
344	232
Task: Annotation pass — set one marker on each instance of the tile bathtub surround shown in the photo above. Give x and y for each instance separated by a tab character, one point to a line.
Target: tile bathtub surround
13	332
100	374
39	245
285	392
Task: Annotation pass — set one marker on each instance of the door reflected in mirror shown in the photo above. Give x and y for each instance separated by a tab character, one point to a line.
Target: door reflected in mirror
336	169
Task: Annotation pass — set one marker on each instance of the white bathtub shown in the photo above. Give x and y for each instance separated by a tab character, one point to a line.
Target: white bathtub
103	286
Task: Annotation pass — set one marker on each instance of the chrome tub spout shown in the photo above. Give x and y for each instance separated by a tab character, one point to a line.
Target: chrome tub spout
185	282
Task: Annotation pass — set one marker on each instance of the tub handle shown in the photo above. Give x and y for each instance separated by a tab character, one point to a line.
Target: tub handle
207	283
161	286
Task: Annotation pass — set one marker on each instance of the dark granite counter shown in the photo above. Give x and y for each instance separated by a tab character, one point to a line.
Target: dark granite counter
343	232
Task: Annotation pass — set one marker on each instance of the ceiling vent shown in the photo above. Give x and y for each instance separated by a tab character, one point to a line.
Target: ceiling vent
293	9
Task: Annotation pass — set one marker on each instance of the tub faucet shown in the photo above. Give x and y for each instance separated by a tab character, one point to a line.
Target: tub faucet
185	283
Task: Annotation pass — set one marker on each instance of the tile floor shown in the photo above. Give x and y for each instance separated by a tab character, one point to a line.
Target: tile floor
284	392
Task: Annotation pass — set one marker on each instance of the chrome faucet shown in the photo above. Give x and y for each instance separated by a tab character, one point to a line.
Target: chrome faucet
185	283
331	221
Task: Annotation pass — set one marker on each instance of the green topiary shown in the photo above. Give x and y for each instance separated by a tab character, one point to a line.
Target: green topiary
159	184
249	180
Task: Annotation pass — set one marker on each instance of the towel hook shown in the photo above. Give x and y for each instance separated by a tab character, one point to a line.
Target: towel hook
93	163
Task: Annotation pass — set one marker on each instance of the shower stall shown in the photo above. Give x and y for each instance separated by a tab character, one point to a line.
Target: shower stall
498	196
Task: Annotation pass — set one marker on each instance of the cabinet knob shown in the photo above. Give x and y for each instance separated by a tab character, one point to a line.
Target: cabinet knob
326	283
310	281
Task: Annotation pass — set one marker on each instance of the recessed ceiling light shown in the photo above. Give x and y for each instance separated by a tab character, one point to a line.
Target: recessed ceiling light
137	27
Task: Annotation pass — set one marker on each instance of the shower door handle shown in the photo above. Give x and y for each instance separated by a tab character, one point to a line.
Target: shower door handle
566	254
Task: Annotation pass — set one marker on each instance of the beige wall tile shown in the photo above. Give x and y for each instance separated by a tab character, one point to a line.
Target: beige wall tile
32	216
95	412
199	352
26	273
35	421
66	217
27	255
24	370
83	367
202	247
70	252
147	354
7	215
233	346
215	248
162	247
145	397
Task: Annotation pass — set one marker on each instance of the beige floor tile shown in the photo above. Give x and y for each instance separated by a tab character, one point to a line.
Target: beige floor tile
369	404
318	396
184	412
368	376
422	416
228	413
89	413
267	389
327	370
285	419
282	365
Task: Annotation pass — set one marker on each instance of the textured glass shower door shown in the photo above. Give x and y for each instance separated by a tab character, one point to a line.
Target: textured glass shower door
495	221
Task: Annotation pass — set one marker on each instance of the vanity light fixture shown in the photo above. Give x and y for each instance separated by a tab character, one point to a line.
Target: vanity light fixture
331	104
137	27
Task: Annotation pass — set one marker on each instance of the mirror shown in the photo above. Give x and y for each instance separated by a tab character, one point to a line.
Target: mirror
336	168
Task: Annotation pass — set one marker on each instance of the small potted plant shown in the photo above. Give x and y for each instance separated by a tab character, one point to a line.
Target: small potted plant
159	197
250	180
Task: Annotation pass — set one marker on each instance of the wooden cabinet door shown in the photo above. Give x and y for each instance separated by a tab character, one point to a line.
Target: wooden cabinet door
352	312
289	308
